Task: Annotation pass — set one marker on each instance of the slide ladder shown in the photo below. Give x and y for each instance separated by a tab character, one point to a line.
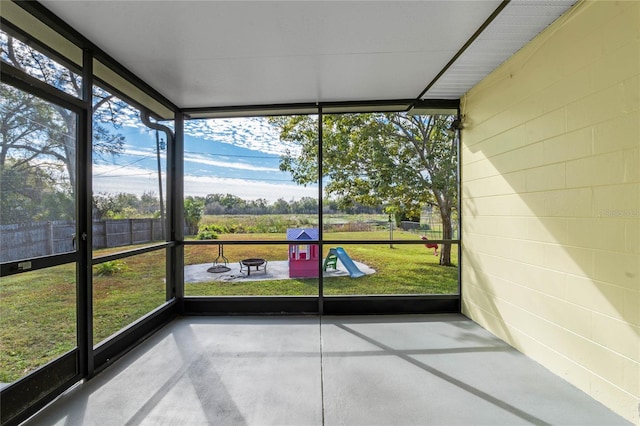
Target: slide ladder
344	258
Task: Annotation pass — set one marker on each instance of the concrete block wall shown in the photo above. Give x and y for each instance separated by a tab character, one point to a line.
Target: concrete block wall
551	201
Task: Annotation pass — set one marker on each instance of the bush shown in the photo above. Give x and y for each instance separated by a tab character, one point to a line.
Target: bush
110	267
207	232
218	229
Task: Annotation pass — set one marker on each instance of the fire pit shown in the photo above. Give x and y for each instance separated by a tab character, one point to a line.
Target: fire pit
260	264
218	267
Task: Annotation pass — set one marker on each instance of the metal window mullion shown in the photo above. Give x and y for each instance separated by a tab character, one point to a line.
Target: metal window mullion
34	86
129	253
320	218
84	276
175	213
29	84
458	136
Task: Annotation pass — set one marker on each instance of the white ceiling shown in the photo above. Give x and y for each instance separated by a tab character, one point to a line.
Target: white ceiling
234	53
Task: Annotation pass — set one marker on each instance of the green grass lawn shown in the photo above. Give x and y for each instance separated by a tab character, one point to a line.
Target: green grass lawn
403	269
124	296
37	308
37	319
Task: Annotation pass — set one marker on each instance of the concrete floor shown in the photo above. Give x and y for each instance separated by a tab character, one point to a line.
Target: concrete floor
375	370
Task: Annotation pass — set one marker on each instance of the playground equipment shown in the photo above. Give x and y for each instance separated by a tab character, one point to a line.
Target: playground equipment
338	253
303	258
430	245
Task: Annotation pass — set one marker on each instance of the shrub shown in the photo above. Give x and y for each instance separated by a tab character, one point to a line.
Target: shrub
218	229
207	232
110	267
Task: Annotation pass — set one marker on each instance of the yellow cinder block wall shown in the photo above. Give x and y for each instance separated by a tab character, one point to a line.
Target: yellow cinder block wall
551	201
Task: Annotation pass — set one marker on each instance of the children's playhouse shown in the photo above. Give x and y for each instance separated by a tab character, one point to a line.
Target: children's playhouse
303	257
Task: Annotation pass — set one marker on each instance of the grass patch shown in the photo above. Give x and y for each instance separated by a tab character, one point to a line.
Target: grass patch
37	319
122	297
110	268
38	308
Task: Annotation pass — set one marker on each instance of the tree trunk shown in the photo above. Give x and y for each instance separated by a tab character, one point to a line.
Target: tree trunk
445	253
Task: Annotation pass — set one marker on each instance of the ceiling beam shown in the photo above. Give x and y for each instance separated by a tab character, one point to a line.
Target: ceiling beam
396	105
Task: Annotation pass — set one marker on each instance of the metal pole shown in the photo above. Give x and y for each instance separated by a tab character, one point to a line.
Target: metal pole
164	236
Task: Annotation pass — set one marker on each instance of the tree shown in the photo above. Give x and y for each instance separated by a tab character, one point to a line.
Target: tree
31	194
29	166
304	205
42	134
394	159
193	210
281	206
149	204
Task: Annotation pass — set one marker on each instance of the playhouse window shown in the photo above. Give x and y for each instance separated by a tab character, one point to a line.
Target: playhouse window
303	251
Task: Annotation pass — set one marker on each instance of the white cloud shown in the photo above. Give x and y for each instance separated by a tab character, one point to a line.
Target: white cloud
199	159
129	180
202	159
249	190
253	133
135	151
137	180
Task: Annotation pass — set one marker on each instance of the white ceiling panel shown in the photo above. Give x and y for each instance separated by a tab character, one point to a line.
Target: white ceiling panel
234	53
513	28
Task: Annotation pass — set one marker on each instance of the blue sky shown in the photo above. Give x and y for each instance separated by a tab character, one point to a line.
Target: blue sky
239	156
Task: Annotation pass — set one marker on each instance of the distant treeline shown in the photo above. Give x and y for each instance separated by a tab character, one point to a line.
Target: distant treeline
215	204
125	206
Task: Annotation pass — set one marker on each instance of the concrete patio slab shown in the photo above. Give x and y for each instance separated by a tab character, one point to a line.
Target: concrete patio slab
276	270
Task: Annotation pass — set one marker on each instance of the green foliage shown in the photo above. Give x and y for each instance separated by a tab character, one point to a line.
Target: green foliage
219	204
207	232
131	206
220	229
393	159
193	211
32	158
30	194
250	224
126	206
110	267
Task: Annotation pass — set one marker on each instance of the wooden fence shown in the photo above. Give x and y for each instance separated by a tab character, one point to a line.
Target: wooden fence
24	241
